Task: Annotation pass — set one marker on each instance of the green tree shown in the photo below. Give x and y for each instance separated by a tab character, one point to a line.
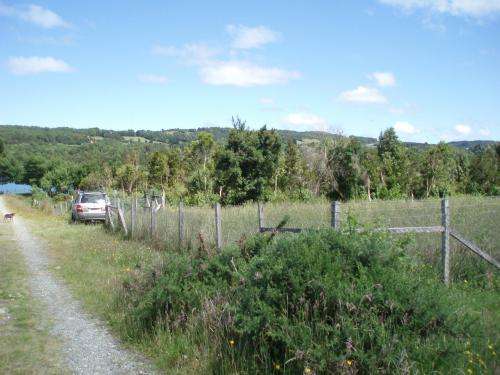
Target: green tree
57	180
203	151
34	170
394	166
245	168
158	170
11	168
438	170
293	171
485	171
344	164
129	177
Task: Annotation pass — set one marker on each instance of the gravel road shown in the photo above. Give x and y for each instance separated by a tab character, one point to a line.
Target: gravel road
87	345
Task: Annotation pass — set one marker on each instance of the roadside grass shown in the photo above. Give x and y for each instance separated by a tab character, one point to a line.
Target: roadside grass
26	345
94	264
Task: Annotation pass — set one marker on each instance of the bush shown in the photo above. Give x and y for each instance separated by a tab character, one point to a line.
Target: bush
318	302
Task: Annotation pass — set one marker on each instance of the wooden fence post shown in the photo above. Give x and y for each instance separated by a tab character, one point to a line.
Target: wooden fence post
218	229
109	219
260	210
106	215
181	223
445	240
121	218
152	224
335	210
133	215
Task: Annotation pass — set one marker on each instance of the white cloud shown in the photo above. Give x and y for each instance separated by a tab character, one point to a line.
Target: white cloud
215	69
266	101
485	132
34	14
363	94
153	78
191	53
473	8
462	129
251	37
405	128
383	78
43	17
244	74
309	120
35	65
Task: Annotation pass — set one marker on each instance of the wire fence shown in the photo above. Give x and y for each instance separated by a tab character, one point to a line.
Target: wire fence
189	228
476	218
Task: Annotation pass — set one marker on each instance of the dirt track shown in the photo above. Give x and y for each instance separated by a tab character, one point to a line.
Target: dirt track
88	347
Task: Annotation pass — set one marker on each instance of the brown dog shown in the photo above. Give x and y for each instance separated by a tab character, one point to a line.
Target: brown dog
8	217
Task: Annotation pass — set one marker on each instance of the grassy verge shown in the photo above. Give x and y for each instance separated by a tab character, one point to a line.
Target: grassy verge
26	346
94	265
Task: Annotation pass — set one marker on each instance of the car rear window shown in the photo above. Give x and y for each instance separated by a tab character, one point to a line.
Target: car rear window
93	198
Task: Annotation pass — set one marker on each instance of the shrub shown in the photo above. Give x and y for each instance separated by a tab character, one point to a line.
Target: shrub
318	302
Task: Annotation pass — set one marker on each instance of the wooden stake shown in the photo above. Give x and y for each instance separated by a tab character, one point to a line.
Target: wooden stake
218	229
152	223
335	209
123	223
260	211
109	219
133	216
445	240
181	223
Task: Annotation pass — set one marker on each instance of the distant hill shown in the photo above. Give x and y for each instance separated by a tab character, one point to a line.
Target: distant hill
15	134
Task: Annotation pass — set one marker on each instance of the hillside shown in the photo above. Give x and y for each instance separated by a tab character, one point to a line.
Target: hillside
15	134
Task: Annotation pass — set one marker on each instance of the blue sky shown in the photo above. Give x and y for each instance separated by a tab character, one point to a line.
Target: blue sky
430	68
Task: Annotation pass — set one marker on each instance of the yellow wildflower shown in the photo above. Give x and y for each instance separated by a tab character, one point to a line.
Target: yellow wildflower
349	362
231	342
307	371
277	366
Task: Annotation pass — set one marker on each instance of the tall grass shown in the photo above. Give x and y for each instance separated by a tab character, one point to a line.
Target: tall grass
476	218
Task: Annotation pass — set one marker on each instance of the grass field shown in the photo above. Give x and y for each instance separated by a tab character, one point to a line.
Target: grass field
26	346
96	263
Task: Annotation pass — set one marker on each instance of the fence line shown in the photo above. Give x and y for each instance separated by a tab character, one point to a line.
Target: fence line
335	212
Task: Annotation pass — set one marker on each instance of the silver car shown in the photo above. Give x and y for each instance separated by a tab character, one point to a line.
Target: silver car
89	206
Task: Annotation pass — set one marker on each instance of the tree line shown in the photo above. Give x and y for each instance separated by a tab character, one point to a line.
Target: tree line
253	165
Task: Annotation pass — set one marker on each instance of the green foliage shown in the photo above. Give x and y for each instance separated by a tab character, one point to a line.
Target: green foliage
246	166
439	171
344	164
34	170
238	165
326	301
485	171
